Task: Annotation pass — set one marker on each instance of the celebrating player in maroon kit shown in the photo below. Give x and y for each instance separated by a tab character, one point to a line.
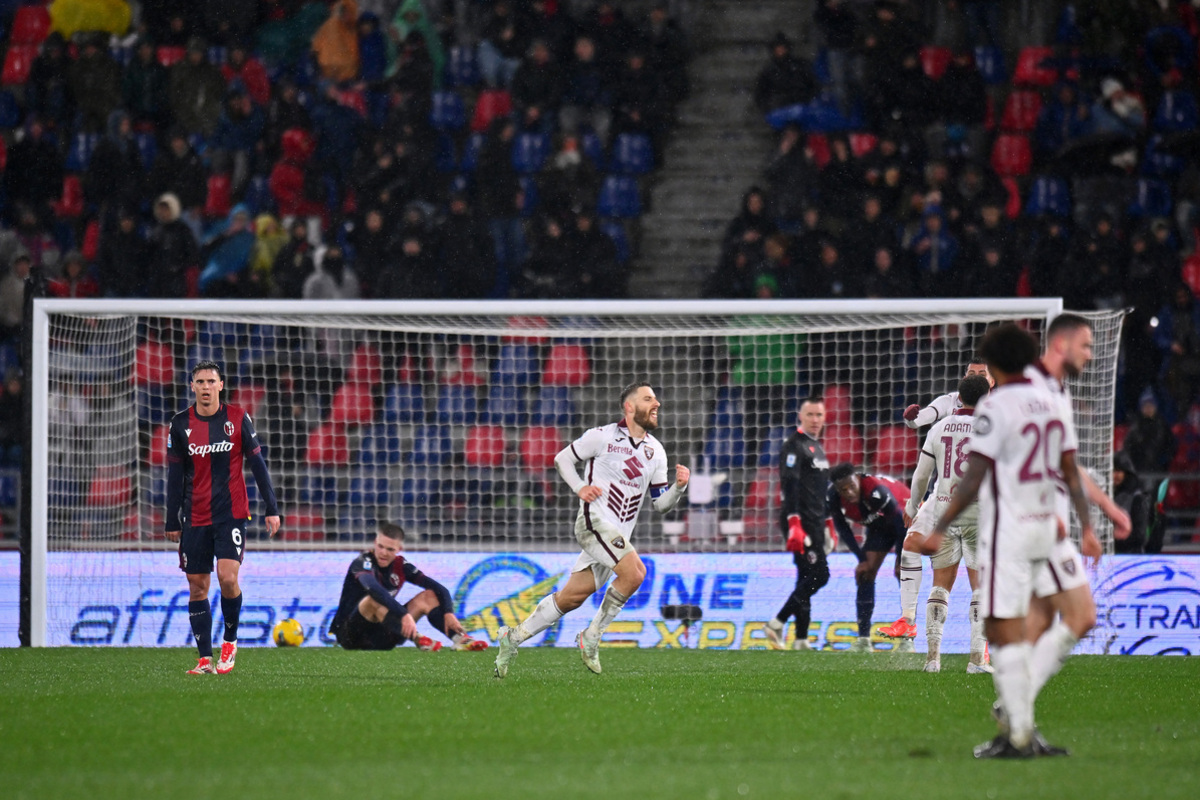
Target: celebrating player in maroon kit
206	446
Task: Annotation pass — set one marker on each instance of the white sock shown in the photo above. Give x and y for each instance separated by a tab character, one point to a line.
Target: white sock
978	640
545	615
1049	653
610	606
910	583
937	608
1014	689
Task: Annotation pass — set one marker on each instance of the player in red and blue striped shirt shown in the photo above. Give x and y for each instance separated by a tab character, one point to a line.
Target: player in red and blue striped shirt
207	508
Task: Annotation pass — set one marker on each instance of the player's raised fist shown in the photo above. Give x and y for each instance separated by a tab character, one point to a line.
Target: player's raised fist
911	412
589	494
682	475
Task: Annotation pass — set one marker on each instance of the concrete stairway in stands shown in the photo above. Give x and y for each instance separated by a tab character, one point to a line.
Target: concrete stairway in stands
719	148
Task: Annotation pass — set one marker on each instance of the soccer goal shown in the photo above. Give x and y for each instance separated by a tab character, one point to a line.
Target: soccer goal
446	416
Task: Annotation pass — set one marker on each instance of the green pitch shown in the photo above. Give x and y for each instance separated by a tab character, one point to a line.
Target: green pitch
321	723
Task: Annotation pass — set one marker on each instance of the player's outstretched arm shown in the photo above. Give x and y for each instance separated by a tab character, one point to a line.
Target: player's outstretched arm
664	499
918	486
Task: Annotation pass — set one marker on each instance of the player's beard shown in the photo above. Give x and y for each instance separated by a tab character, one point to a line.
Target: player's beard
643	419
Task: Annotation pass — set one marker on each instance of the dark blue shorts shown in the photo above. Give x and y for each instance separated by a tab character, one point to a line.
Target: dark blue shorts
199	545
359	633
880	541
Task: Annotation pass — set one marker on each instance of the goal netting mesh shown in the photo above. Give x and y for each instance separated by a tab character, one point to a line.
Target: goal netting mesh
446	417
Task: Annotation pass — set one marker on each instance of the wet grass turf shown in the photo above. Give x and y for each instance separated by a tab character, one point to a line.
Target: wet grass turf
322	723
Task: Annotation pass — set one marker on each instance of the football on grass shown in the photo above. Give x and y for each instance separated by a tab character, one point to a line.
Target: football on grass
288	633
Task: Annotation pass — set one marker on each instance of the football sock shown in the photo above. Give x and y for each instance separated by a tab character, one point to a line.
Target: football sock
610	606
978	640
1014	689
231	610
200	615
803	618
937	607
865	604
545	615
910	584
1049	653
437	618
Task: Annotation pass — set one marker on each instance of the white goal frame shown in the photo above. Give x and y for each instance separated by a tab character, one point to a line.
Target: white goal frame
310	313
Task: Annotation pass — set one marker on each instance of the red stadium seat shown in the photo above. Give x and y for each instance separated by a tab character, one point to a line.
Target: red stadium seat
539	446
492	103
819	144
862	144
843	442
486	446
353	404
1021	111
249	397
1191	273
1035	67
1012	207
366	367
154	364
17	63
328	445
759	495
837	404
219	200
1012	155
1119	434
156	456
111	487
70	205
90	247
303	524
529	324
31	25
168	56
934	61
567	365
893	449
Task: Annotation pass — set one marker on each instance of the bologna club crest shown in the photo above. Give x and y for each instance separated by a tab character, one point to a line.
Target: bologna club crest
228	428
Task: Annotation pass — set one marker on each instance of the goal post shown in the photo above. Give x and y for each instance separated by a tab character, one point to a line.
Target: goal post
445	415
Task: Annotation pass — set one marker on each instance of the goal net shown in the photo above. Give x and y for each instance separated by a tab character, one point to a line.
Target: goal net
446	416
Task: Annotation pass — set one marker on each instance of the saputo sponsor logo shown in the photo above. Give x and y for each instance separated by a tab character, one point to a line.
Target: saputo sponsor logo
204	449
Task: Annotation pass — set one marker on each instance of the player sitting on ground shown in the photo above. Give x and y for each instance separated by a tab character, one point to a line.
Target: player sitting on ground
370	618
624	462
865	499
944	406
945	452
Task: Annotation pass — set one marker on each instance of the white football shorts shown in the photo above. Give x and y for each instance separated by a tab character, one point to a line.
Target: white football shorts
602	544
958	545
1063	571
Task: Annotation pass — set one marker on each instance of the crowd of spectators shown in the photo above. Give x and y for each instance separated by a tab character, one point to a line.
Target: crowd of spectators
917	157
278	148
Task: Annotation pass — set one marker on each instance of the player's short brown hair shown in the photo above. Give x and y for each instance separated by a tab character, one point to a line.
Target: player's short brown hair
631	389
391	530
1066	323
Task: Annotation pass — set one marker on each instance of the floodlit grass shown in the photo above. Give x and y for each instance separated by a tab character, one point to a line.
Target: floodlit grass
322	723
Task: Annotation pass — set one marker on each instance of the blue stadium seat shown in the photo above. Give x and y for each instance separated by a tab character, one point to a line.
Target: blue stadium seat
153	405
1049	195
420	491
470	156
593	149
725	447
80	151
990	62
529	151
620	198
1152	199
158	487
258	195
10	487
380	446
516	365
1157	164
821	67
462	68
1176	112
9	357
404	403
10	110
632	154
218	55
448	112
443	156
505	405
532	199
554	406
431	446
616	231
318	487
147	147
457	405
368	488
729	410
220	334
768	455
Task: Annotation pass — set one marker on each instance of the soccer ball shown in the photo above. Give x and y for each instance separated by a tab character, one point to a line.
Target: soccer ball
288	633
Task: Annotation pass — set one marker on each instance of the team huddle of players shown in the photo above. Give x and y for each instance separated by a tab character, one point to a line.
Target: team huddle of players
1003	462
